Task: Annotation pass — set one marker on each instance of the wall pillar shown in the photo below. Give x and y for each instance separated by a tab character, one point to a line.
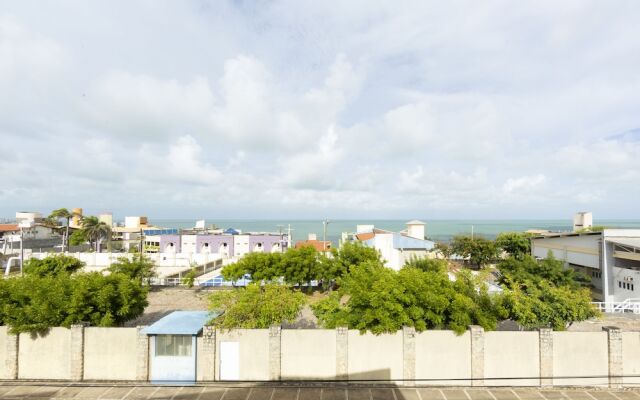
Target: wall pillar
208	353
477	355
614	340
546	356
409	355
77	352
275	354
142	357
342	353
11	363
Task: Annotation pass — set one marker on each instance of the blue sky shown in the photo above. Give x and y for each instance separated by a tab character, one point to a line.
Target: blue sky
307	109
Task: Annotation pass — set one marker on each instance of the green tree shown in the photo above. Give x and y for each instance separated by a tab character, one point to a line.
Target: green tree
261	266
529	270
351	254
78	237
256	306
378	299
189	278
516	244
428	264
95	230
138	268
53	265
35	303
66	215
301	266
444	249
479	251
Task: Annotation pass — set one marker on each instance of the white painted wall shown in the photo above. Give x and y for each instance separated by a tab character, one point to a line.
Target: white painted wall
240	245
188	244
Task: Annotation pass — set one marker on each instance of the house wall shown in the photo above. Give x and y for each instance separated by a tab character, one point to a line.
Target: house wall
4	373
580	250
240	245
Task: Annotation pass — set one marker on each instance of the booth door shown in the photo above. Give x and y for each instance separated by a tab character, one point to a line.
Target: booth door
173	359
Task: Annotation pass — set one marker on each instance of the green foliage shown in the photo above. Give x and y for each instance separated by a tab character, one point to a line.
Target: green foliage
542	293
379	300
428	264
349	255
444	249
190	277
479	251
95	230
139	268
54	293
256	307
516	244
301	265
529	270
78	237
52	266
594	228
261	266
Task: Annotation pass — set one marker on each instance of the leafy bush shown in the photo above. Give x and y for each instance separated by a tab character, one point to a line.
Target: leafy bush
256	307
53	293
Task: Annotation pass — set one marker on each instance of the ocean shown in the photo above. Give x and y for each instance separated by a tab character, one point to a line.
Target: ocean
439	230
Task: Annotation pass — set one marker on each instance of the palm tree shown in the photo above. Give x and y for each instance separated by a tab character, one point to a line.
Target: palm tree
63	213
95	230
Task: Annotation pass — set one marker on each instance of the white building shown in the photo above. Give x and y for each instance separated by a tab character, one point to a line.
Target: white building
396	248
611	258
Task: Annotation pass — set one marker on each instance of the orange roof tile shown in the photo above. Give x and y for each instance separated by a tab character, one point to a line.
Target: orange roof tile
9	228
317	244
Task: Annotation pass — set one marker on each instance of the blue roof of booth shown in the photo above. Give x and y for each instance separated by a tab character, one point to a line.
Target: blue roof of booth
181	323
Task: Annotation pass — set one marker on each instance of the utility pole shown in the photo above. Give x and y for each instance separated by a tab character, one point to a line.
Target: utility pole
21	249
324	236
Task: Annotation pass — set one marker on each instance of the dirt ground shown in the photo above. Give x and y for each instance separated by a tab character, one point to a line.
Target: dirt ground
163	301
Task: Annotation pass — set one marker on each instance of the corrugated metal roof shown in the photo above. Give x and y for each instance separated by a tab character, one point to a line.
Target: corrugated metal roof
407	242
181	323
631	242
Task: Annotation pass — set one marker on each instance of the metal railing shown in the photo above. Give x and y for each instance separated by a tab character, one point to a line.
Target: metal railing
618	307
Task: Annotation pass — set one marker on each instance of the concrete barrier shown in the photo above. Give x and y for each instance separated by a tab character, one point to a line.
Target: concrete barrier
608	358
110	353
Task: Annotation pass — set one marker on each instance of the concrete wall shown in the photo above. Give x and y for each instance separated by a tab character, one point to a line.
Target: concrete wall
374	357
427	358
631	357
110	353
511	355
254	352
45	357
443	354
580	354
4	371
308	354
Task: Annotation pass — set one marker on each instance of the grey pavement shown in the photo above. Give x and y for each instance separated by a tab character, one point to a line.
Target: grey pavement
42	391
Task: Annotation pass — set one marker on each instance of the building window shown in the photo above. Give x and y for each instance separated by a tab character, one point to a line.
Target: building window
173	345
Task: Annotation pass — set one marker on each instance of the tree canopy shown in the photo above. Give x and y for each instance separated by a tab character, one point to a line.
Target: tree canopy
478	250
54	292
542	293
138	268
256	306
378	299
516	244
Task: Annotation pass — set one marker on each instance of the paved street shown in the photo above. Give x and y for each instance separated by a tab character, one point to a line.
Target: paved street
35	391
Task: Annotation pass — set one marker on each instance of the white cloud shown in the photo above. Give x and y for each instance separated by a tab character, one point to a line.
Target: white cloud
282	108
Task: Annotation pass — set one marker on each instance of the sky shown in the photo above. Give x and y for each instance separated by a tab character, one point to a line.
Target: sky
312	109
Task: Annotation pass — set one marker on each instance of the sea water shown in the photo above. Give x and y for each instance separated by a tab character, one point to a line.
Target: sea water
439	230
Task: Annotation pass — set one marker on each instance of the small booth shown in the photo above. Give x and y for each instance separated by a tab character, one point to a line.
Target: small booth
173	346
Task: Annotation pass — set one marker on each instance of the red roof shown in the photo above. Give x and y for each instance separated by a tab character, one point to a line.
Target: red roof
317	244
9	228
365	236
